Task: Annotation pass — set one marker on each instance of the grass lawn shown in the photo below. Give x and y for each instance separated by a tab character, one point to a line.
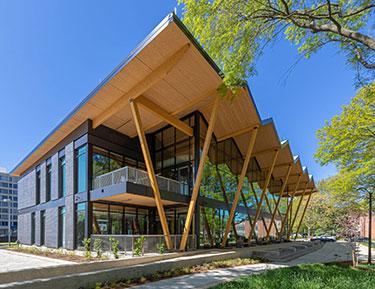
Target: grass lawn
314	276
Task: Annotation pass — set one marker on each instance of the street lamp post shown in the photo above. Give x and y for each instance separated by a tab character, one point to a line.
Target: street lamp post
9	232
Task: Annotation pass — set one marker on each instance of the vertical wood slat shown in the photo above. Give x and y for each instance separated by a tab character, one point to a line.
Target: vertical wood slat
198	179
258	210
151	172
240	183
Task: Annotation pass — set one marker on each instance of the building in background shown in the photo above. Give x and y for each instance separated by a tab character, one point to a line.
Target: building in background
8	204
363	226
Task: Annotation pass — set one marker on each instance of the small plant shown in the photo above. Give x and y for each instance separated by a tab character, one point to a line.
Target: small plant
114	246
138	246
98	247
161	248
87	244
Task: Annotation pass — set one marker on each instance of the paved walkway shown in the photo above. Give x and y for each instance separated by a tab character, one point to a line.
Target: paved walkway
208	279
363	253
14	261
330	252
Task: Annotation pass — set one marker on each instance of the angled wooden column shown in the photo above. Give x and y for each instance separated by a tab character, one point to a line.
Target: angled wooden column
297	210
303	215
278	200
259	207
270	211
207	227
257	203
288	208
198	179
225	197
240	183
151	172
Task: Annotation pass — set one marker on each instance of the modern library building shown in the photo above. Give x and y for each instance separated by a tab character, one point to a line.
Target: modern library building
156	150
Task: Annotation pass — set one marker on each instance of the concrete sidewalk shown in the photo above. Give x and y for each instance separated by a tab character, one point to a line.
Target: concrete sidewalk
210	278
330	252
15	261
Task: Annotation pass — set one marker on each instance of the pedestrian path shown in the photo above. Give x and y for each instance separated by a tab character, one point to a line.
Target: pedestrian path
210	278
15	261
330	252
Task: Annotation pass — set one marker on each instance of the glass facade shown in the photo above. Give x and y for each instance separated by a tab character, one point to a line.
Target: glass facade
80	224
81	169
61	227
105	161
62	177
42	227
127	220
37	186
8	204
48	182
174	154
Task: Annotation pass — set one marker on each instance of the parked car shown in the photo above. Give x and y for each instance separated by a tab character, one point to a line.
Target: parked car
324	238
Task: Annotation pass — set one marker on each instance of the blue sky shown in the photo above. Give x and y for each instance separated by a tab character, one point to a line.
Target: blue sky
53	53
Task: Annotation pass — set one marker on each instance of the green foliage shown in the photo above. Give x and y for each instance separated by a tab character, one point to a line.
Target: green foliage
87	244
306	276
98	247
161	248
235	32
138	246
114	246
348	142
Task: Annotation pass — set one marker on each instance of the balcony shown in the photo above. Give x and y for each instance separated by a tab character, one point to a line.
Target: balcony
140	177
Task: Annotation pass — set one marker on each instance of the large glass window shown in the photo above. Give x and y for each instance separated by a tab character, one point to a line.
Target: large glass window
61	227
81	171
80	224
48	182
37	186
116	217
100	162
100	222
62	177
42	228
32	228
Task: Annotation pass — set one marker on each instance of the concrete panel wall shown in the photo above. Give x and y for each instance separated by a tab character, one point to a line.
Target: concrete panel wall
52	227
55	177
69	200
26	190
24	228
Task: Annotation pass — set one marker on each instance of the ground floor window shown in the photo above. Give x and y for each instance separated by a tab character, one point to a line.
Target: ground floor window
32	228
42	228
61	227
119	219
80	224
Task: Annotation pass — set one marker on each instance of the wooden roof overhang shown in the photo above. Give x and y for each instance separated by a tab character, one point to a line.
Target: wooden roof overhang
170	70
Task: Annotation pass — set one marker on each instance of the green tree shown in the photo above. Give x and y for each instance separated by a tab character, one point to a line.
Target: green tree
348	142
235	32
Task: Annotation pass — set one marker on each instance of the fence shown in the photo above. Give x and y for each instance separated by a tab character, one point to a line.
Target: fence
126	242
136	176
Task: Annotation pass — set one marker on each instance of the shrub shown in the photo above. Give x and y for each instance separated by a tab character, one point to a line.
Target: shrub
138	246
114	246
87	244
161	248
98	247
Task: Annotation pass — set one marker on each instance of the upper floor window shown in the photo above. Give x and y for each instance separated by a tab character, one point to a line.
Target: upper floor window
48	181
37	186
81	169
62	177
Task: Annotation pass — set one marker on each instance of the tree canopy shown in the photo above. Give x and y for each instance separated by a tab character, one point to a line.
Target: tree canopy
235	32
348	141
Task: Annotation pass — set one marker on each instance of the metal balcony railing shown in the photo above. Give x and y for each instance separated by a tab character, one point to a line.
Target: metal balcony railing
137	176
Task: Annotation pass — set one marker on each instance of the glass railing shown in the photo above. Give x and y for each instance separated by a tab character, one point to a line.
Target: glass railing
137	176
